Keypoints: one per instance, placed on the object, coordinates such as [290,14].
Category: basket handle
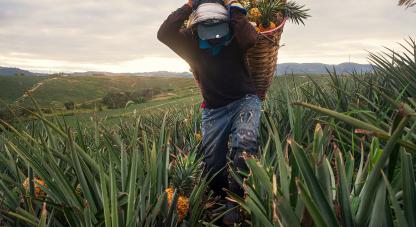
[275,29]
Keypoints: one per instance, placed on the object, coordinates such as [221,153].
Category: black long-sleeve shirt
[222,78]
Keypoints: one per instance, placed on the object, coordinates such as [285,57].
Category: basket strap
[270,39]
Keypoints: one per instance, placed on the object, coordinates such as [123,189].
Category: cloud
[115,35]
[339,30]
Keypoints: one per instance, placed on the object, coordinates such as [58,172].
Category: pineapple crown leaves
[294,11]
[407,3]
[185,172]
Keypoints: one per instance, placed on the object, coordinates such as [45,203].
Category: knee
[245,140]
[213,167]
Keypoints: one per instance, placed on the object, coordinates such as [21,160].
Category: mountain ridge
[320,68]
[12,71]
[282,69]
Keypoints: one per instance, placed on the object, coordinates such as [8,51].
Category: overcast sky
[120,35]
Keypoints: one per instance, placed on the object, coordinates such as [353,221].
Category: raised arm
[244,33]
[177,39]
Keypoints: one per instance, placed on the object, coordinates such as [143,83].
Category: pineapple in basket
[268,14]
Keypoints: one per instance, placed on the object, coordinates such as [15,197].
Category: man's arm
[170,33]
[244,32]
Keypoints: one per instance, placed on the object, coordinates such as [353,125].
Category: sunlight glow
[148,64]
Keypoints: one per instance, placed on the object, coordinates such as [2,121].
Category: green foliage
[329,187]
[11,88]
[407,3]
[115,100]
[335,151]
[186,172]
[122,174]
[69,105]
[56,90]
[270,10]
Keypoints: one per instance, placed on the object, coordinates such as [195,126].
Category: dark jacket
[223,78]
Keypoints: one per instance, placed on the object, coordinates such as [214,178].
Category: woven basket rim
[275,29]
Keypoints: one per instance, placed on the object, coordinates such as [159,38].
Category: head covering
[211,20]
[208,12]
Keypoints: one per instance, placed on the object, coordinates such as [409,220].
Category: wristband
[238,6]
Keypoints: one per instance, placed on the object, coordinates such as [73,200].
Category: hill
[55,91]
[282,69]
[319,68]
[145,74]
[13,87]
[5,71]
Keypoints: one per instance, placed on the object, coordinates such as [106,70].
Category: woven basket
[262,59]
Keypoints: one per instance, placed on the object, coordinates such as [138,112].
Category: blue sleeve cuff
[237,6]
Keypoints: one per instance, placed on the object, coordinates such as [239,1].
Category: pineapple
[38,190]
[198,137]
[182,204]
[248,3]
[78,190]
[269,13]
[271,26]
[254,14]
[185,172]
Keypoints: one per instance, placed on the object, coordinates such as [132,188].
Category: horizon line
[38,71]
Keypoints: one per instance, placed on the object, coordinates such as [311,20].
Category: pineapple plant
[185,172]
[355,168]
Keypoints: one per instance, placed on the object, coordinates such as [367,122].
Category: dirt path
[33,89]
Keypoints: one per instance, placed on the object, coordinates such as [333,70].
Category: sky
[120,35]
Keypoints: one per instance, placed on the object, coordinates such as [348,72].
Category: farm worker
[214,44]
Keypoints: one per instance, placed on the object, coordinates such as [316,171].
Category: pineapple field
[338,151]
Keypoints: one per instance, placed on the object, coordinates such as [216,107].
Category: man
[214,45]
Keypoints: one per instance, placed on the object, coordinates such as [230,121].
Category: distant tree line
[112,100]
[115,100]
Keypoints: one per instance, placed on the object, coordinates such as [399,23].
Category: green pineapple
[185,171]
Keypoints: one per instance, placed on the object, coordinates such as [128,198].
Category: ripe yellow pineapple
[78,190]
[248,3]
[268,13]
[38,190]
[198,137]
[271,26]
[254,14]
[182,205]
